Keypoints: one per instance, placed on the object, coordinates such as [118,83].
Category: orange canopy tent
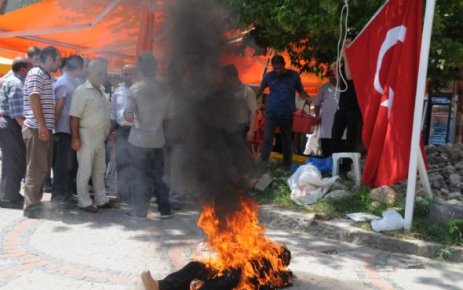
[114,29]
[5,65]
[108,28]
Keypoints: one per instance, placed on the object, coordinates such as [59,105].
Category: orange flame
[240,243]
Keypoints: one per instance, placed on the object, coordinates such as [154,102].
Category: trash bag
[312,145]
[324,164]
[391,221]
[307,185]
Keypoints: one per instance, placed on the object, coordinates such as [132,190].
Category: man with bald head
[121,128]
[90,123]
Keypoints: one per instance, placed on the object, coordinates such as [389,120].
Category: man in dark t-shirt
[281,103]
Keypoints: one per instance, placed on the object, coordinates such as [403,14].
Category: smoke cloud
[208,155]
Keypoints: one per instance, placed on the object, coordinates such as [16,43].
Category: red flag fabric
[384,60]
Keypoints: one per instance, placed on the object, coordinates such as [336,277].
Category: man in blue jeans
[147,109]
[279,107]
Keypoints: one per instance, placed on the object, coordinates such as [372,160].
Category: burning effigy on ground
[238,256]
[241,246]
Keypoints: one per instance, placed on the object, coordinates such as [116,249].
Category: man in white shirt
[121,129]
[90,110]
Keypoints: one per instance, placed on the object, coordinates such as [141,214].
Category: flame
[239,243]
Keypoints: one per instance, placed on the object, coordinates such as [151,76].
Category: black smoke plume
[208,155]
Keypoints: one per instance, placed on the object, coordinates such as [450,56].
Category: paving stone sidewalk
[72,249]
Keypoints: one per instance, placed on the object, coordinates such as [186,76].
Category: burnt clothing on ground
[230,278]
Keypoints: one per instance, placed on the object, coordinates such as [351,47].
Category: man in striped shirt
[39,114]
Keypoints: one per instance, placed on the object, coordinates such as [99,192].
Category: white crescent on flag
[393,36]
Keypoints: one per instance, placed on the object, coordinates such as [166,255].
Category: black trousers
[181,279]
[13,160]
[349,119]
[124,176]
[64,166]
[325,144]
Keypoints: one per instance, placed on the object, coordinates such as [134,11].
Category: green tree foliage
[309,30]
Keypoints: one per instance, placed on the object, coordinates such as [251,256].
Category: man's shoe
[35,213]
[11,204]
[133,216]
[166,215]
[90,208]
[175,206]
[110,204]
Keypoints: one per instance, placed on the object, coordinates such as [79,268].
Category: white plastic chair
[354,156]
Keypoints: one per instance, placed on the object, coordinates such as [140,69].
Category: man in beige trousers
[90,123]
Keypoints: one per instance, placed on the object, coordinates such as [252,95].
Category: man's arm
[59,108]
[15,102]
[60,93]
[75,125]
[114,110]
[300,89]
[129,111]
[317,111]
[252,107]
[38,114]
[304,95]
[252,126]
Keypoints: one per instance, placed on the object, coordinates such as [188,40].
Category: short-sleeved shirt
[38,81]
[248,103]
[149,103]
[118,104]
[281,102]
[93,109]
[327,99]
[64,88]
[12,97]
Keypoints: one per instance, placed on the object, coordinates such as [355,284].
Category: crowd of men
[63,125]
[66,124]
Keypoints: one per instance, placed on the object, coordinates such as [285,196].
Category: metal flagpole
[420,91]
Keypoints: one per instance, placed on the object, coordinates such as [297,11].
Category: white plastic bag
[312,147]
[391,221]
[307,184]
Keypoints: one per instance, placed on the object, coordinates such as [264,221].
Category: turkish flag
[384,60]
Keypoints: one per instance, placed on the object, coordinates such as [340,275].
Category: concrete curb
[342,229]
